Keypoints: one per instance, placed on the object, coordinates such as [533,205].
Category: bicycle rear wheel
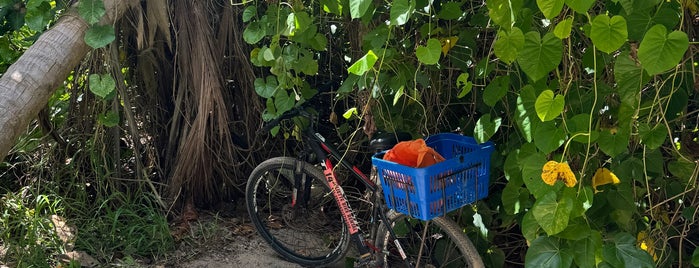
[445,245]
[310,232]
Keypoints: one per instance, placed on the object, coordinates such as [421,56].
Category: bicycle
[305,216]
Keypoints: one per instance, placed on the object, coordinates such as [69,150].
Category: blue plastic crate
[429,192]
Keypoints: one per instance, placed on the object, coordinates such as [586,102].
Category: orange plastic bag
[413,153]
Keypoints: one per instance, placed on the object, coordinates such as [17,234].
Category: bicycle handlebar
[298,110]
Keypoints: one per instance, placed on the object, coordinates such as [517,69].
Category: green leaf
[332,6]
[630,254]
[681,169]
[514,198]
[450,11]
[584,250]
[465,85]
[253,33]
[429,54]
[548,252]
[563,28]
[401,11]
[358,8]
[580,6]
[496,90]
[266,88]
[283,102]
[109,119]
[653,138]
[508,44]
[38,15]
[549,106]
[348,85]
[486,128]
[526,112]
[540,56]
[91,10]
[249,13]
[364,64]
[101,85]
[502,12]
[660,51]
[608,34]
[551,214]
[530,228]
[350,112]
[548,137]
[98,36]
[695,257]
[577,230]
[630,79]
[614,144]
[633,5]
[550,8]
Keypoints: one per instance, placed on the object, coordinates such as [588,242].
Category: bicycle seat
[386,140]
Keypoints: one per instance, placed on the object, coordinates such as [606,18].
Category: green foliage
[129,223]
[26,230]
[97,36]
[590,83]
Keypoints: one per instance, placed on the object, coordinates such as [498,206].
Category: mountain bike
[304,214]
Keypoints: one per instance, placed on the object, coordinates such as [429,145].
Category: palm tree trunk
[29,82]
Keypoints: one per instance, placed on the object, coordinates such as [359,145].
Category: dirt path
[223,241]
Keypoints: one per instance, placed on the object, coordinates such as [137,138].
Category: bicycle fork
[365,249]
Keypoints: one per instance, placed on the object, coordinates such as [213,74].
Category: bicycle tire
[443,236]
[311,236]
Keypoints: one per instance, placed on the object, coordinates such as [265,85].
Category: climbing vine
[593,106]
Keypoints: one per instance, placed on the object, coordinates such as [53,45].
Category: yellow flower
[553,171]
[603,176]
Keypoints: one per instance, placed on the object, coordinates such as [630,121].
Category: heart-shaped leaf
[548,251]
[501,11]
[101,85]
[253,33]
[91,10]
[465,85]
[550,8]
[548,137]
[429,54]
[660,51]
[109,119]
[551,214]
[98,36]
[450,10]
[249,13]
[526,113]
[652,137]
[549,106]
[364,64]
[283,102]
[608,34]
[540,56]
[486,128]
[266,88]
[614,142]
[358,8]
[580,6]
[401,11]
[508,44]
[563,28]
[496,90]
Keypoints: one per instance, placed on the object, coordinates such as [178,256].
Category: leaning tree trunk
[29,82]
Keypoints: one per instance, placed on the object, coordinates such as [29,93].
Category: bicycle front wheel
[445,245]
[310,231]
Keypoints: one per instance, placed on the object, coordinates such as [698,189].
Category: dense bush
[593,106]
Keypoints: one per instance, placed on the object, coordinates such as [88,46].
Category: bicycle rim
[310,235]
[445,245]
